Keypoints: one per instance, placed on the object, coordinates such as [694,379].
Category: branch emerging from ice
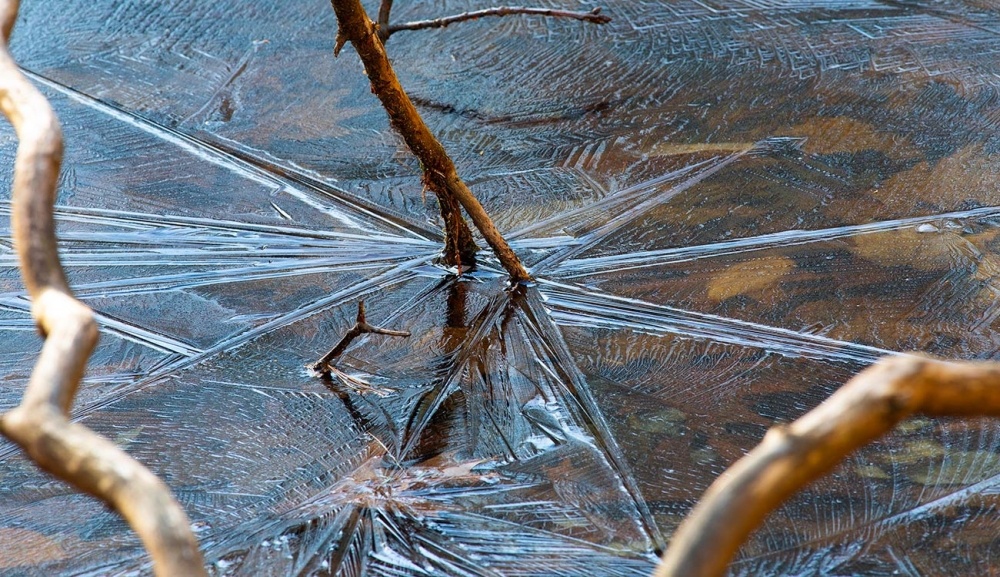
[361,327]
[792,456]
[40,424]
[594,16]
[440,174]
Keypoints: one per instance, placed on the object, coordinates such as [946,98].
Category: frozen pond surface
[731,206]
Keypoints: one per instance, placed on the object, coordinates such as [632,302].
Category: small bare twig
[361,327]
[440,174]
[791,456]
[594,16]
[384,10]
[40,424]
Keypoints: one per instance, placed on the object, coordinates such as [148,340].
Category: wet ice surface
[731,207]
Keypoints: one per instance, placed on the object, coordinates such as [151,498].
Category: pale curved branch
[594,16]
[40,424]
[792,456]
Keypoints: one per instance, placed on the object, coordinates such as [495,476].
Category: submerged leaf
[749,278]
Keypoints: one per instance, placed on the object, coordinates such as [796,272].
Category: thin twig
[384,10]
[594,16]
[440,174]
[40,424]
[361,327]
[792,456]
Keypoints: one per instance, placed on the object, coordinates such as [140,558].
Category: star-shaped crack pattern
[685,261]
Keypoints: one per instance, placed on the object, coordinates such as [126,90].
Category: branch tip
[339,43]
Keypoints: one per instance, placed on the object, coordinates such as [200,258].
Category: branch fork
[439,172]
[325,365]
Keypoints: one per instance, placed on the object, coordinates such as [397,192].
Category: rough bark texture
[791,456]
[40,424]
[440,174]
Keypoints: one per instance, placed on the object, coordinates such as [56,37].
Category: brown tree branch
[594,16]
[440,174]
[791,456]
[360,327]
[40,424]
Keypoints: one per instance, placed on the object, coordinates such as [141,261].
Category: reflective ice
[731,206]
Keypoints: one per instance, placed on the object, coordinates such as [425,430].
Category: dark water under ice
[731,207]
